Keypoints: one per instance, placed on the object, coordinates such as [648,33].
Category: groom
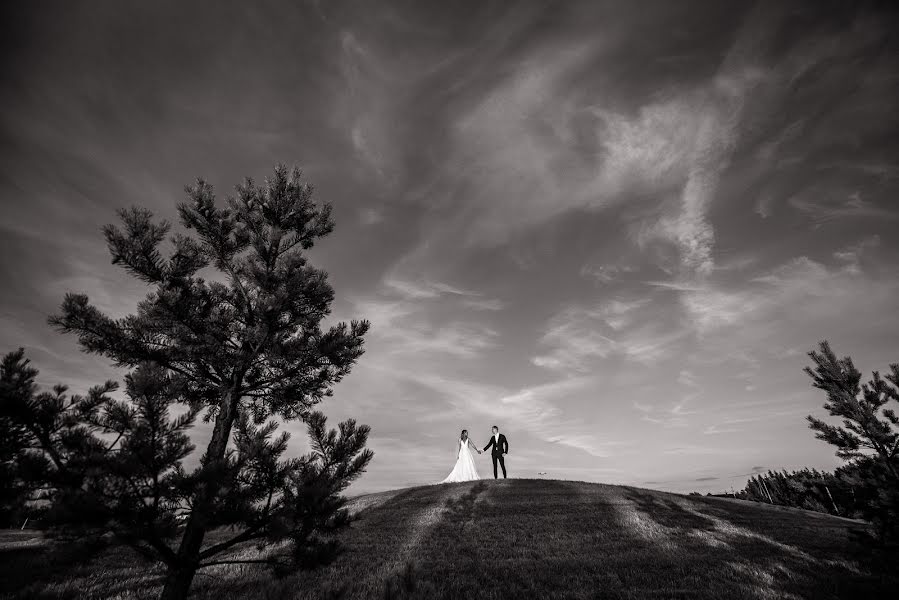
[500,447]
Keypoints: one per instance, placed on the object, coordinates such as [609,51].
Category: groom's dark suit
[500,447]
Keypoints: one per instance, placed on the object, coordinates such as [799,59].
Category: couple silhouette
[465,468]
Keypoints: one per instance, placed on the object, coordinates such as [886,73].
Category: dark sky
[612,228]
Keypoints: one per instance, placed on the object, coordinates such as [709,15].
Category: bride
[464,469]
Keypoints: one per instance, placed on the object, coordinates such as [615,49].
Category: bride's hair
[464,431]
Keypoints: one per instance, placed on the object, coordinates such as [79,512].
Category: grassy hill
[512,539]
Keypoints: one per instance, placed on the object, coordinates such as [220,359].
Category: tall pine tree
[869,434]
[240,348]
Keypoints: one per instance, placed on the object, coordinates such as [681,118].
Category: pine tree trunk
[177,584]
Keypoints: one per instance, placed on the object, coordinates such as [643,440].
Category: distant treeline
[845,492]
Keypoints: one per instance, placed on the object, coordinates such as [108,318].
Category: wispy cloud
[484,303]
[819,289]
[606,273]
[424,289]
[823,206]
[713,132]
[428,290]
[401,328]
[671,416]
[579,336]
[575,340]
[696,450]
[371,216]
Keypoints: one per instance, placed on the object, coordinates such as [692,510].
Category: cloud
[532,174]
[457,339]
[618,314]
[768,150]
[606,273]
[697,450]
[371,216]
[711,121]
[591,445]
[578,336]
[402,323]
[729,425]
[711,308]
[484,304]
[687,378]
[430,290]
[820,290]
[763,204]
[363,109]
[852,255]
[718,109]
[542,142]
[644,408]
[674,416]
[716,429]
[824,206]
[575,342]
[401,328]
[424,289]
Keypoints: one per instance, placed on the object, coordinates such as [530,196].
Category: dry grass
[513,539]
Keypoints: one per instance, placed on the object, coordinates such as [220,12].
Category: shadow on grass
[752,553]
[459,510]
[667,512]
[408,583]
[528,539]
[374,552]
[47,562]
[63,570]
[412,580]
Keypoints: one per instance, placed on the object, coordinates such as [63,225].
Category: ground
[512,539]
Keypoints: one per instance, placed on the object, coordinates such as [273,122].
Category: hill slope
[527,539]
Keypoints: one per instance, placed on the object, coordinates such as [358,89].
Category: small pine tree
[240,349]
[99,462]
[14,440]
[107,465]
[869,435]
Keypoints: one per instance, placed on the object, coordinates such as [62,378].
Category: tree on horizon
[239,354]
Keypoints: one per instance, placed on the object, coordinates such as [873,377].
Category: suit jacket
[499,448]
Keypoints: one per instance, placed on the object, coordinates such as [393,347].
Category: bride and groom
[465,469]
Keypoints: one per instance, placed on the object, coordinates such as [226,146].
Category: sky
[613,229]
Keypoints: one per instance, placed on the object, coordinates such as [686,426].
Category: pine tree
[105,465]
[14,438]
[96,460]
[869,434]
[241,349]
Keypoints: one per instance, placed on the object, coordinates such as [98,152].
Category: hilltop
[518,539]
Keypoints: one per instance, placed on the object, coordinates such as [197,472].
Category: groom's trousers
[502,463]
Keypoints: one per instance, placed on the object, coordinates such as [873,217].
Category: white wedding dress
[465,469]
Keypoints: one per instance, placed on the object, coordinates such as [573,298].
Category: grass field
[510,539]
